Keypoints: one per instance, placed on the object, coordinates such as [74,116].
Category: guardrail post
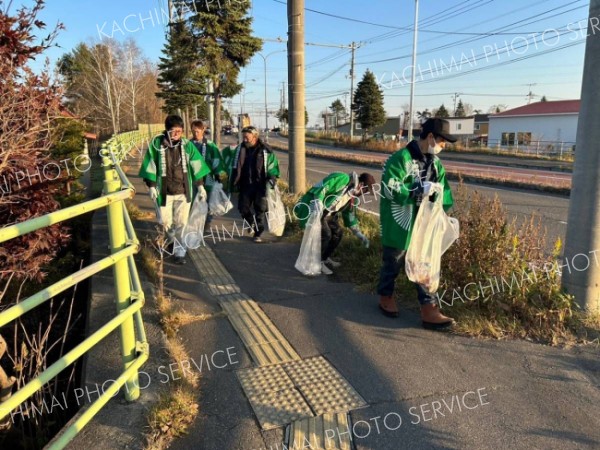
[6,384]
[116,229]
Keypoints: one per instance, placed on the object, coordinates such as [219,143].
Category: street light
[266,111]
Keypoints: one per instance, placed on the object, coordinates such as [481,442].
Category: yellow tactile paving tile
[332,396]
[326,432]
[262,379]
[274,409]
[275,353]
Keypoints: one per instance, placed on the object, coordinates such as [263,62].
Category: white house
[461,126]
[543,124]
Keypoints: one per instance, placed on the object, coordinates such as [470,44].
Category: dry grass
[135,213]
[149,263]
[178,407]
[171,416]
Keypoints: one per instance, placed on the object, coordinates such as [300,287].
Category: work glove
[316,205]
[153,192]
[202,193]
[365,241]
[427,188]
[420,189]
[224,178]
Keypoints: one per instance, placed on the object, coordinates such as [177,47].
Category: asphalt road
[481,167]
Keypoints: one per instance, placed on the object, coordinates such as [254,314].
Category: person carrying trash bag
[406,182]
[256,169]
[211,154]
[337,193]
[228,157]
[172,166]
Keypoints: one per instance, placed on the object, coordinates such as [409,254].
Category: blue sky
[455,38]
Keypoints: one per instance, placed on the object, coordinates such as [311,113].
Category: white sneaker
[324,269]
[333,263]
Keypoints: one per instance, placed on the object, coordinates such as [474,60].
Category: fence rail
[128,290]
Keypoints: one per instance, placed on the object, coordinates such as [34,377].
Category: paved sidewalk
[450,392]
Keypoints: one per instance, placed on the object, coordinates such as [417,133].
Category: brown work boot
[387,305]
[433,319]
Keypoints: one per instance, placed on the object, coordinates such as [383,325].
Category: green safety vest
[398,210]
[151,168]
[329,191]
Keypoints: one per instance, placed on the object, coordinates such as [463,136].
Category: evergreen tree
[460,110]
[424,115]
[544,99]
[181,79]
[339,111]
[224,43]
[368,103]
[283,116]
[442,112]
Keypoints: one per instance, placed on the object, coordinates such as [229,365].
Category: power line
[523,58]
[469,40]
[326,77]
[408,29]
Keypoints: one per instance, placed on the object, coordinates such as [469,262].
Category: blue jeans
[393,262]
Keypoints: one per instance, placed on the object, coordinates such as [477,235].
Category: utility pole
[414,70]
[211,109]
[352,93]
[297,156]
[266,110]
[170,6]
[530,95]
[455,97]
[581,277]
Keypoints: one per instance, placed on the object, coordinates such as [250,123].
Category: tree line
[111,85]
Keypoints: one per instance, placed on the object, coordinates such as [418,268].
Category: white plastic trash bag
[451,233]
[276,212]
[219,203]
[193,233]
[433,233]
[309,259]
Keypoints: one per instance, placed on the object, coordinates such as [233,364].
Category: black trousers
[251,197]
[331,236]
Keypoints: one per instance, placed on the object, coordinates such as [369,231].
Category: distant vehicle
[276,130]
[227,129]
[234,130]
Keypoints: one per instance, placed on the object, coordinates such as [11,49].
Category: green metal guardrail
[128,291]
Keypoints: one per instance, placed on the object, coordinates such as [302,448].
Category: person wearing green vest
[256,169]
[406,182]
[337,193]
[172,166]
[228,155]
[211,154]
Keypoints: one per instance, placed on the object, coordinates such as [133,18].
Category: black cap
[439,128]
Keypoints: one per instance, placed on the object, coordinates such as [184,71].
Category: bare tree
[133,72]
[106,83]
